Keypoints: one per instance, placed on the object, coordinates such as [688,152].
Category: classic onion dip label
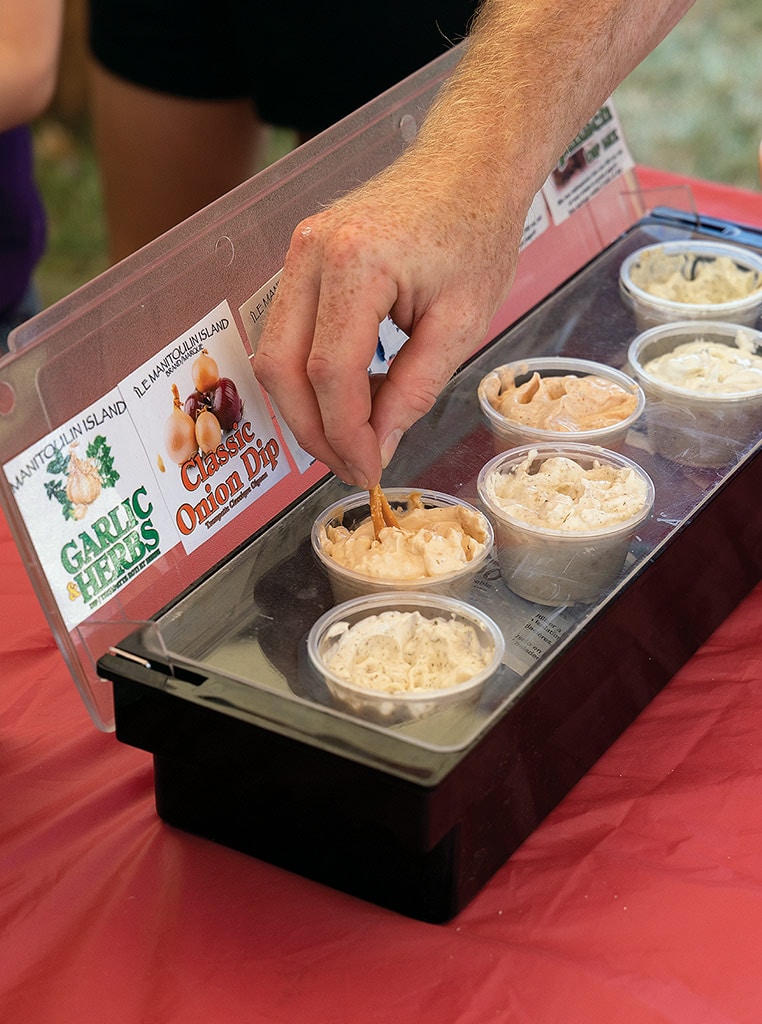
[205,427]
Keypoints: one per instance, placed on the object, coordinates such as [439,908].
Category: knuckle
[305,235]
[265,367]
[321,367]
[422,399]
[420,394]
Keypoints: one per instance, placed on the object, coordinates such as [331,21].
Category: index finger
[352,304]
[280,360]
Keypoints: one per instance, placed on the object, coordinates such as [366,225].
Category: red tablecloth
[638,901]
[712,200]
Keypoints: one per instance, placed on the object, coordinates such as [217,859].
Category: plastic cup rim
[505,425]
[450,605]
[588,451]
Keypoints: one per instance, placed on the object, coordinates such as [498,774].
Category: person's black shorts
[303,65]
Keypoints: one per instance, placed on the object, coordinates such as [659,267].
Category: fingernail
[389,447]
[358,477]
[345,476]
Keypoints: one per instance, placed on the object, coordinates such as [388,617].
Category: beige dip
[562,495]
[429,542]
[566,403]
[698,280]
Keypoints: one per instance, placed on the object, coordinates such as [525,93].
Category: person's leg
[162,158]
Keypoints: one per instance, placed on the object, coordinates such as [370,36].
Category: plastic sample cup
[393,643]
[683,265]
[553,564]
[510,433]
[353,512]
[687,422]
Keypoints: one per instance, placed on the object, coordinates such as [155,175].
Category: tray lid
[111,519]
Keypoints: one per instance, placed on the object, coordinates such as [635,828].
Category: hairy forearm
[533,73]
[433,240]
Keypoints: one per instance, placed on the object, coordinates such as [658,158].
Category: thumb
[413,382]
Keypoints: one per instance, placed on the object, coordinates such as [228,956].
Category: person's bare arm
[434,239]
[30,38]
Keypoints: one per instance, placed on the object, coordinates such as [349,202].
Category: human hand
[433,240]
[416,246]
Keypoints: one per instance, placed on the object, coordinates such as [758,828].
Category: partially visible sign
[596,157]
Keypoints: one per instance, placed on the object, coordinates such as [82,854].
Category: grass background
[694,106]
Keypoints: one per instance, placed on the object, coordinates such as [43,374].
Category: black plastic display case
[247,748]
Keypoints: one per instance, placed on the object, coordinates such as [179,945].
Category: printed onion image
[211,409]
[180,432]
[225,403]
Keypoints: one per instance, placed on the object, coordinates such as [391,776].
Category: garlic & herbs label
[92,508]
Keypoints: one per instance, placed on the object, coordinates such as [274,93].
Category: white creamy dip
[561,494]
[403,652]
[710,367]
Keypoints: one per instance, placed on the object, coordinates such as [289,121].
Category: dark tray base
[426,851]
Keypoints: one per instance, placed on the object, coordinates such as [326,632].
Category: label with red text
[205,425]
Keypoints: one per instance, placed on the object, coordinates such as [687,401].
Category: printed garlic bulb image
[83,484]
